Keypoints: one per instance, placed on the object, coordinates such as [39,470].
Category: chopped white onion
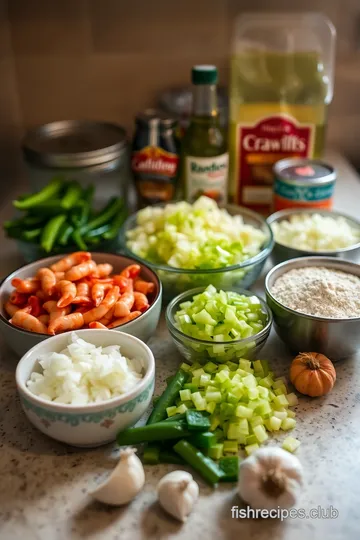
[315,232]
[83,373]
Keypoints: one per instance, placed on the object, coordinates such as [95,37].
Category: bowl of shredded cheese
[315,302]
[83,387]
[302,232]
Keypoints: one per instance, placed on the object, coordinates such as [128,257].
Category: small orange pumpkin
[312,374]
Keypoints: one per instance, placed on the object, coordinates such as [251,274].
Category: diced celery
[249,381]
[230,447]
[251,448]
[233,431]
[198,372]
[210,367]
[268,424]
[266,381]
[185,367]
[256,421]
[231,398]
[214,422]
[205,379]
[243,412]
[243,426]
[264,408]
[196,396]
[200,405]
[288,423]
[181,409]
[244,364]
[291,413]
[275,423]
[171,411]
[222,376]
[191,387]
[260,433]
[213,396]
[194,366]
[216,451]
[185,395]
[251,439]
[253,393]
[292,399]
[195,381]
[281,401]
[281,390]
[210,407]
[291,444]
[280,415]
[263,392]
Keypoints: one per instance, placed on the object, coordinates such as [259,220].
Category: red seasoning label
[260,145]
[154,161]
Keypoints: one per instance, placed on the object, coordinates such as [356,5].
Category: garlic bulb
[124,483]
[177,493]
[269,478]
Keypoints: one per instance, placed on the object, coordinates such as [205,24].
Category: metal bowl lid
[74,143]
[154,117]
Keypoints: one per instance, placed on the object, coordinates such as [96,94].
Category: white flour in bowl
[319,291]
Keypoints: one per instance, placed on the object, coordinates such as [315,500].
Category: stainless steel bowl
[282,253]
[336,338]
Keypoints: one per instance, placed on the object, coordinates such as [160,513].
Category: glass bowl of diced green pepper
[219,325]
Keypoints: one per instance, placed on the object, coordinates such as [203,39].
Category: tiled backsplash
[108,59]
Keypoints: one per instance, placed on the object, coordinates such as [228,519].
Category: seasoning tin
[155,157]
[303,183]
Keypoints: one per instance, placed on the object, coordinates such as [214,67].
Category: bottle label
[259,145]
[155,172]
[207,176]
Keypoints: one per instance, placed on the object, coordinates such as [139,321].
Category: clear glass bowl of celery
[218,324]
[233,263]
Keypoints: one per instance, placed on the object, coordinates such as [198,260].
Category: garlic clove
[177,494]
[124,483]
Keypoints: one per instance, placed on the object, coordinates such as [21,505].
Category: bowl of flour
[315,302]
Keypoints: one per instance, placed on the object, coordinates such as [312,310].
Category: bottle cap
[205,74]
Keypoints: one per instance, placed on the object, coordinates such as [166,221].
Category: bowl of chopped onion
[195,245]
[301,232]
[207,324]
[83,388]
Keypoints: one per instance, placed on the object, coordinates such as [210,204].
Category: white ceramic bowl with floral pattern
[96,423]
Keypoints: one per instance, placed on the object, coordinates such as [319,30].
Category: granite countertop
[44,485]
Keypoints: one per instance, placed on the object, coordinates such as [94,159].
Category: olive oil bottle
[204,148]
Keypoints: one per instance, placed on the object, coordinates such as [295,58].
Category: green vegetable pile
[200,236]
[61,216]
[220,317]
[207,414]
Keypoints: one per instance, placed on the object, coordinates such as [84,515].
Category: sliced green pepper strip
[104,216]
[47,193]
[47,208]
[203,440]
[51,231]
[197,421]
[116,224]
[230,468]
[29,221]
[168,456]
[204,465]
[31,234]
[72,195]
[176,417]
[78,239]
[168,397]
[13,224]
[65,233]
[98,232]
[156,432]
[151,455]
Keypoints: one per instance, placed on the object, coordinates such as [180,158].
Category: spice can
[303,183]
[155,157]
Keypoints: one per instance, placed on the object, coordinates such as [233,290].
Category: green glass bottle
[204,149]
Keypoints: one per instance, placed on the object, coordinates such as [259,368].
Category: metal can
[155,157]
[303,183]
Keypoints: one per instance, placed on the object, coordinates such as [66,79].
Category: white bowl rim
[53,258]
[91,407]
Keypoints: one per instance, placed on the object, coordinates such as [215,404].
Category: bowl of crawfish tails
[80,290]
